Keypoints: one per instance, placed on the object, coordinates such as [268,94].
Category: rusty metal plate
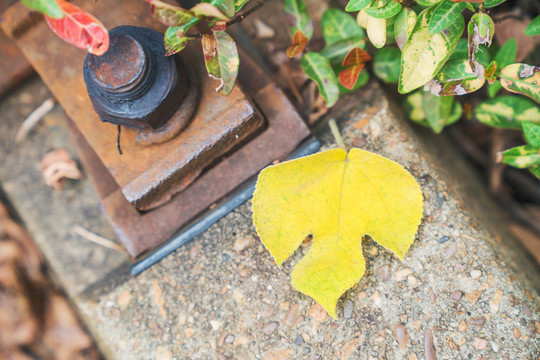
[148,176]
[143,231]
[14,66]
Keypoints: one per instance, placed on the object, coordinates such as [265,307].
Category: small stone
[451,344]
[221,340]
[401,335]
[456,295]
[401,274]
[359,142]
[449,251]
[444,239]
[495,301]
[124,298]
[347,309]
[526,309]
[475,274]
[429,349]
[416,325]
[412,357]
[229,339]
[384,272]
[477,321]
[292,316]
[194,251]
[517,333]
[241,244]
[473,296]
[189,332]
[299,340]
[225,257]
[317,312]
[278,354]
[432,295]
[349,348]
[461,267]
[462,326]
[270,328]
[480,344]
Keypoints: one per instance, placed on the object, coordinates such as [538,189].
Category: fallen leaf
[338,198]
[80,28]
[56,166]
[299,42]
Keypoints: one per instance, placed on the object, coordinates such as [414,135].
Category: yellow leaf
[376,31]
[338,198]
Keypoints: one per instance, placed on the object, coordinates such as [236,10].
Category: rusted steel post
[133,84]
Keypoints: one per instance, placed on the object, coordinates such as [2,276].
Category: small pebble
[229,339]
[194,251]
[517,333]
[456,295]
[461,267]
[225,257]
[359,142]
[306,350]
[317,312]
[480,344]
[242,244]
[462,326]
[347,309]
[475,274]
[449,251]
[401,335]
[429,349]
[299,340]
[292,315]
[270,328]
[384,272]
[432,296]
[526,309]
[477,321]
[444,239]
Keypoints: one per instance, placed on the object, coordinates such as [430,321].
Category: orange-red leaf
[348,77]
[81,29]
[299,42]
[356,56]
[353,63]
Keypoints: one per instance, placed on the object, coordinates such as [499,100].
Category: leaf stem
[241,17]
[337,135]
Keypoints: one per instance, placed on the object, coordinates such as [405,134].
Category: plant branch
[241,17]
[337,135]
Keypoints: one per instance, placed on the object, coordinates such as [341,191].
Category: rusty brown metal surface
[144,231]
[14,66]
[147,178]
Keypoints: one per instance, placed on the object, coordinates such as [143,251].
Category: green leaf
[480,32]
[221,59]
[357,5]
[444,15]
[175,39]
[413,107]
[386,64]
[337,197]
[298,17]
[376,31]
[47,7]
[426,3]
[535,170]
[318,69]
[522,156]
[338,25]
[455,78]
[239,4]
[504,57]
[507,112]
[386,10]
[437,110]
[404,25]
[425,54]
[522,79]
[491,3]
[170,15]
[227,7]
[531,132]
[338,50]
[534,27]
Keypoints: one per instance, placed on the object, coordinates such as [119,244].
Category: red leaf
[299,42]
[348,76]
[356,56]
[81,29]
[219,25]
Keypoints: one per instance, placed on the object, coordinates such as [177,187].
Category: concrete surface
[222,297]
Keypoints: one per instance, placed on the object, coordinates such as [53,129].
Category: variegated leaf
[505,56]
[376,31]
[386,64]
[337,51]
[480,32]
[357,5]
[507,111]
[384,9]
[298,18]
[444,15]
[404,25]
[455,78]
[425,54]
[531,132]
[522,79]
[318,68]
[338,25]
[522,156]
[221,59]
